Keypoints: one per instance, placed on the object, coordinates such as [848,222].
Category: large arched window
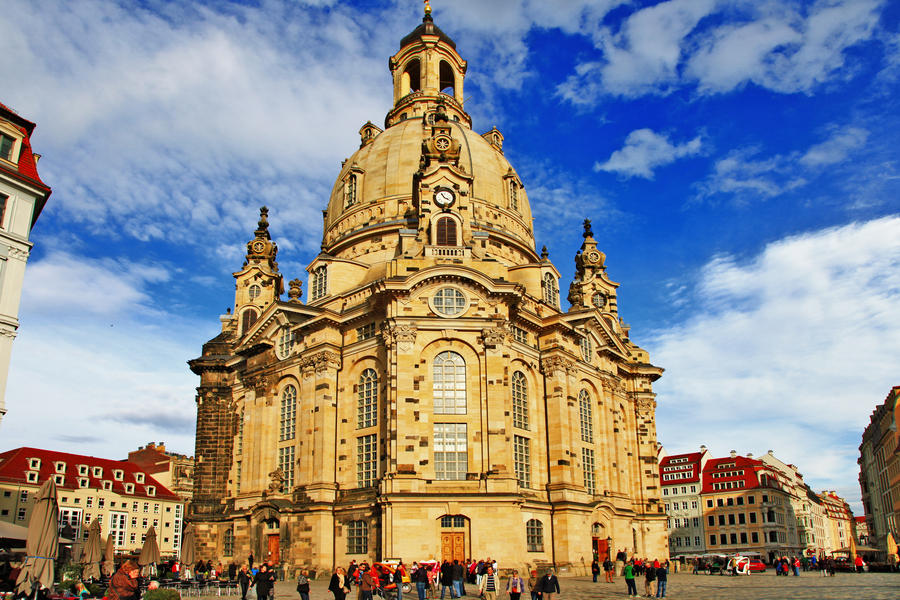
[520,400]
[449,387]
[448,79]
[551,290]
[446,232]
[288,413]
[320,282]
[248,318]
[534,535]
[367,408]
[586,414]
[410,81]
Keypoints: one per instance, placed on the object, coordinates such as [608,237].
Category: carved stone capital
[320,362]
[19,254]
[403,335]
[259,382]
[495,336]
[553,364]
[644,405]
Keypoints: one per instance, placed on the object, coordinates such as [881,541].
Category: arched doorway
[600,542]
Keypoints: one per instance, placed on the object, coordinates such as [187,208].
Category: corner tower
[431,382]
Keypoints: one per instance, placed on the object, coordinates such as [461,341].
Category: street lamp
[608,548]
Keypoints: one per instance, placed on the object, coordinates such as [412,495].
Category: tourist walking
[595,569]
[533,583]
[489,585]
[263,582]
[608,570]
[303,585]
[662,577]
[338,584]
[649,578]
[514,586]
[366,583]
[628,571]
[548,585]
[244,578]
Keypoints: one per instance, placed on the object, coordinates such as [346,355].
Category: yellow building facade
[430,398]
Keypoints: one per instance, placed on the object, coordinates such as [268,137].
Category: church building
[430,397]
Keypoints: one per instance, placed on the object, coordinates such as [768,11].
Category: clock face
[444,198]
[259,246]
[593,256]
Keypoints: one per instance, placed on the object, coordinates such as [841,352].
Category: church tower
[430,381]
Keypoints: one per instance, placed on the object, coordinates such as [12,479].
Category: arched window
[586,415]
[449,387]
[288,413]
[350,191]
[254,291]
[357,537]
[320,282]
[446,231]
[534,535]
[410,81]
[248,318]
[520,400]
[513,195]
[448,79]
[551,290]
[367,415]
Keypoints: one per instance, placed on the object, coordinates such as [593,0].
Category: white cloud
[787,351]
[644,151]
[744,174]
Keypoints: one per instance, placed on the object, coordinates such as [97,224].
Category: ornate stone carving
[401,334]
[296,290]
[644,404]
[495,336]
[18,254]
[276,483]
[320,362]
[258,382]
[552,364]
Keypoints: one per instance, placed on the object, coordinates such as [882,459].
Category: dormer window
[83,482]
[139,477]
[31,476]
[151,490]
[129,488]
[7,145]
[350,190]
[117,474]
[59,479]
[82,470]
[107,485]
[60,466]
[34,463]
[97,472]
[513,195]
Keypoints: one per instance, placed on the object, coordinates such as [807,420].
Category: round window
[449,302]
[255,291]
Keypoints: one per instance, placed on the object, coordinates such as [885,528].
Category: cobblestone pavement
[759,586]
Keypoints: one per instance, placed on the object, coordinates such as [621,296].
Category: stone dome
[384,188]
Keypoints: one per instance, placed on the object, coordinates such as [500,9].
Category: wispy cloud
[772,356]
[644,151]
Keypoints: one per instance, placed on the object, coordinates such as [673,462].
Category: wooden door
[273,553]
[601,549]
[453,546]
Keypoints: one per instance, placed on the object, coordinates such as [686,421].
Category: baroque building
[431,392]
[22,198]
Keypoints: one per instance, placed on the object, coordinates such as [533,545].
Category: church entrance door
[453,546]
[272,549]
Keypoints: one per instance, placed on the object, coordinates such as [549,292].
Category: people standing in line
[303,585]
[649,578]
[515,586]
[628,571]
[549,585]
[533,583]
[595,569]
[338,584]
[662,576]
[243,578]
[490,584]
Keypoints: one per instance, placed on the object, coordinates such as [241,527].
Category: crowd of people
[655,573]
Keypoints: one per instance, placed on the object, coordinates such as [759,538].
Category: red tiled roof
[692,464]
[749,477]
[15,463]
[27,165]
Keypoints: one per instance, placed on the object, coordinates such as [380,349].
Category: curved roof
[427,27]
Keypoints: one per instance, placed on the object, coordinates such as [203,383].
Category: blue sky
[738,160]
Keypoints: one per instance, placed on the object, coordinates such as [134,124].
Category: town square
[405,299]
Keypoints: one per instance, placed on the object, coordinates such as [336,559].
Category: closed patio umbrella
[187,550]
[149,552]
[92,553]
[109,557]
[43,540]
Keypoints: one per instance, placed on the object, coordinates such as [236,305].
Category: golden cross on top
[427,7]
